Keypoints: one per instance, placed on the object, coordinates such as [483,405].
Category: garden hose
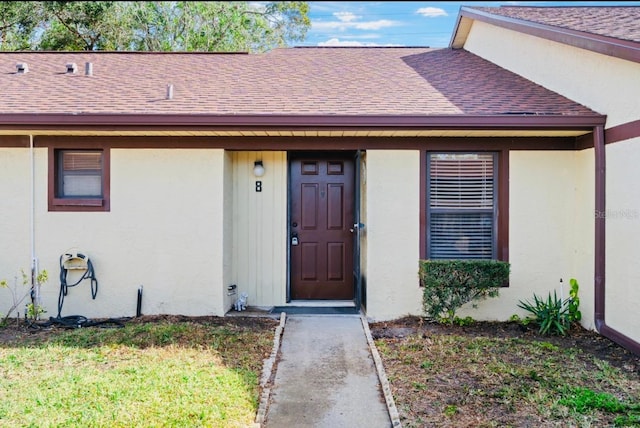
[78,321]
[64,286]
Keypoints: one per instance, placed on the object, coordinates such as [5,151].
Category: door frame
[355,156]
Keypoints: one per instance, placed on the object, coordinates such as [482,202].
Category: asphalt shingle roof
[295,81]
[619,22]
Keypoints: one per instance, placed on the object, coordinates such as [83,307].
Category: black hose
[64,286]
[139,303]
[78,321]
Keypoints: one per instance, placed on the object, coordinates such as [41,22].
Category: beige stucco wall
[584,233]
[551,222]
[605,84]
[15,251]
[548,214]
[609,86]
[227,254]
[622,237]
[186,240]
[392,212]
[260,228]
[363,231]
[165,231]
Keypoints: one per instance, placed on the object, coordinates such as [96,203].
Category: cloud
[375,25]
[337,42]
[344,25]
[431,12]
[346,16]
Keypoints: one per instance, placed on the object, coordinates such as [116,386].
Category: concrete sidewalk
[326,376]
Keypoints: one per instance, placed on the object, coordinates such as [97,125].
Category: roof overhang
[297,125]
[623,49]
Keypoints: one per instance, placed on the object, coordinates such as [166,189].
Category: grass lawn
[204,372]
[166,373]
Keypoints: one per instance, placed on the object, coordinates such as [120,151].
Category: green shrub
[574,301]
[18,296]
[554,315]
[463,321]
[449,284]
[551,314]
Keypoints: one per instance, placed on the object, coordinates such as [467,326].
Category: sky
[395,23]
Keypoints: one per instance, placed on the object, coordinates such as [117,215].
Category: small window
[79,174]
[78,180]
[462,206]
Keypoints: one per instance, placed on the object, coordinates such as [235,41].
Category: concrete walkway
[326,376]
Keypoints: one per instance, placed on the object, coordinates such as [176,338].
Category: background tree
[217,26]
[82,25]
[152,26]
[17,23]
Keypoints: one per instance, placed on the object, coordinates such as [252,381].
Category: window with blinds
[461,201]
[79,174]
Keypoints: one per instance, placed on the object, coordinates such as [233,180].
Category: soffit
[307,133]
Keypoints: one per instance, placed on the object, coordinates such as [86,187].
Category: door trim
[357,218]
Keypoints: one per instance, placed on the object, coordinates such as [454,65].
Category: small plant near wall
[574,302]
[554,315]
[449,284]
[17,297]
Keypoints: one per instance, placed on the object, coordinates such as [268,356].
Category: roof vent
[72,68]
[88,69]
[169,92]
[22,67]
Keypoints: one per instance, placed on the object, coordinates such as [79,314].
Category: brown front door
[321,238]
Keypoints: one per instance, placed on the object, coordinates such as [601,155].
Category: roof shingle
[294,81]
[619,22]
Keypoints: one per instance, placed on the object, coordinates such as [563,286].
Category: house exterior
[322,175]
[591,55]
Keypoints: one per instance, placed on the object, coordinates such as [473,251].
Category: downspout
[35,287]
[600,225]
[600,247]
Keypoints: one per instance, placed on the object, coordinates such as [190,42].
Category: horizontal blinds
[461,181]
[461,205]
[462,236]
[82,174]
[82,161]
